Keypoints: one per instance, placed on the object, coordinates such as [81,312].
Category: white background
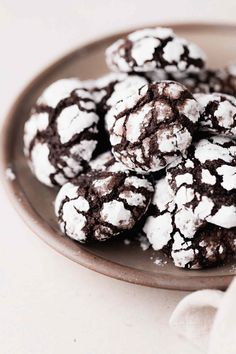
[49,305]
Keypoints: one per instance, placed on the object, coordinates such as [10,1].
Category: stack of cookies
[149,146]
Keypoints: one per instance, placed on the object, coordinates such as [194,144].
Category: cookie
[153,49]
[151,128]
[210,246]
[218,113]
[204,181]
[61,133]
[190,242]
[102,204]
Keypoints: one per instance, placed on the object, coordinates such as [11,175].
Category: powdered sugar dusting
[57,91]
[153,49]
[133,137]
[10,174]
[116,214]
[218,113]
[144,243]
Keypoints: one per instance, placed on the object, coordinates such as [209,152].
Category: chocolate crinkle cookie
[151,128]
[61,133]
[102,204]
[191,243]
[210,246]
[218,113]
[204,182]
[153,49]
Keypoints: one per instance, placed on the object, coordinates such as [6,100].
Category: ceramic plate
[34,201]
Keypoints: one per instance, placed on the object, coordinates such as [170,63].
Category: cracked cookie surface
[190,242]
[153,49]
[107,91]
[218,113]
[61,133]
[102,204]
[107,162]
[113,87]
[204,181]
[151,128]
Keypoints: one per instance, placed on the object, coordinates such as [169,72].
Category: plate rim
[64,246]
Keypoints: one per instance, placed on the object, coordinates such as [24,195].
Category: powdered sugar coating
[212,195]
[153,49]
[58,90]
[210,246]
[159,224]
[61,133]
[107,162]
[151,128]
[40,163]
[120,216]
[218,113]
[113,87]
[189,240]
[107,91]
[103,87]
[9,173]
[102,204]
[125,88]
[225,216]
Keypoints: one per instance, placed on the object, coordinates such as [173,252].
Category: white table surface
[48,304]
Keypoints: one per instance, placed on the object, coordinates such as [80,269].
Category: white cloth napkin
[207,318]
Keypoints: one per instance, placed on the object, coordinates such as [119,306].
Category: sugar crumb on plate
[10,175]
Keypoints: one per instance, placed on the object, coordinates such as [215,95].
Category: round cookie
[210,246]
[152,49]
[218,113]
[190,242]
[204,181]
[151,128]
[102,204]
[61,133]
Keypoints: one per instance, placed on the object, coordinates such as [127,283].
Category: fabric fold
[207,318]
